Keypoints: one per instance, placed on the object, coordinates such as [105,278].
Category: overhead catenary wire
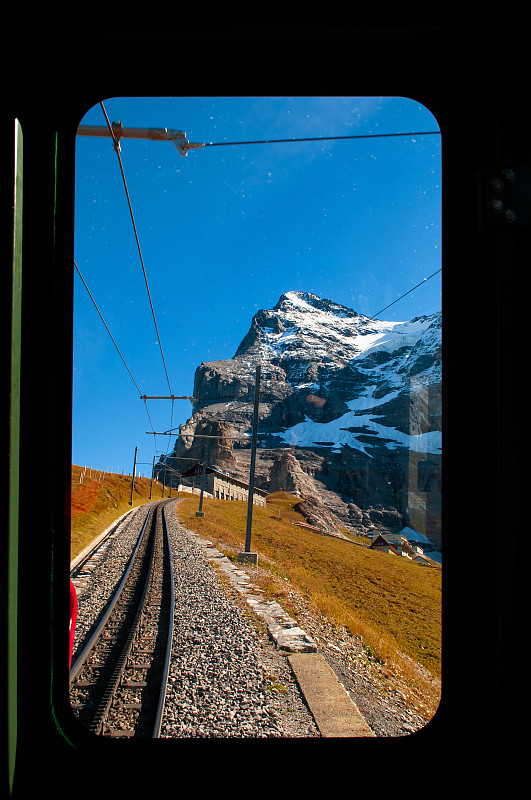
[184,146]
[106,327]
[114,342]
[320,138]
[220,144]
[117,150]
[405,293]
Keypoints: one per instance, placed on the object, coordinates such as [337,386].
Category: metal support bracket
[182,144]
[160,134]
[504,197]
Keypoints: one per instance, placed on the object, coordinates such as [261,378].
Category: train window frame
[479,128]
[143,133]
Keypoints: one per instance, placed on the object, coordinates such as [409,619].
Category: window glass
[303,235]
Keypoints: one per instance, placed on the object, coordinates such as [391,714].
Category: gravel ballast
[224,679]
[227,677]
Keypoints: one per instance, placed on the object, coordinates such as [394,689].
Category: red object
[73,616]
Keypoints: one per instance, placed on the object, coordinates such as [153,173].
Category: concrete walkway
[335,714]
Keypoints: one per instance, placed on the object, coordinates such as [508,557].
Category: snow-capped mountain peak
[303,328]
[357,400]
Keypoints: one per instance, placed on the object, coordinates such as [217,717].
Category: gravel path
[227,677]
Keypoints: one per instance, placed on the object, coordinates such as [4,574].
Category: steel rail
[167,658]
[89,646]
[149,535]
[98,718]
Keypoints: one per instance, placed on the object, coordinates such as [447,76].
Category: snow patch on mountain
[349,397]
[337,433]
[392,336]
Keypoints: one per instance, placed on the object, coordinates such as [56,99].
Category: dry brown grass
[389,601]
[99,500]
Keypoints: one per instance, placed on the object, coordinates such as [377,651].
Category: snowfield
[322,331]
[335,434]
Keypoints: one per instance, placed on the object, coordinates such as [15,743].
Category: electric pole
[133,478]
[151,484]
[247,555]
[201,513]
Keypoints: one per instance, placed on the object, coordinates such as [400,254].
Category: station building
[222,486]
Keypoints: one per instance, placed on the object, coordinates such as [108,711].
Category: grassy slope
[391,602]
[99,500]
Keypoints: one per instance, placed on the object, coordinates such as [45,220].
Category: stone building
[222,486]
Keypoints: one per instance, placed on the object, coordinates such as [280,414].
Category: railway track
[118,680]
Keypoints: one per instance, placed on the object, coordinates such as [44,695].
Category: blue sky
[225,231]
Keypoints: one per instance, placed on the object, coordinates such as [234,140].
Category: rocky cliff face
[349,415]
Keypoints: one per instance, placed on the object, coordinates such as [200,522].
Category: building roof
[381,541]
[197,470]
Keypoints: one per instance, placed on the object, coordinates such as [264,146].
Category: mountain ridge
[354,402]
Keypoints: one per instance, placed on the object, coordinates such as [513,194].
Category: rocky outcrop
[287,475]
[349,414]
